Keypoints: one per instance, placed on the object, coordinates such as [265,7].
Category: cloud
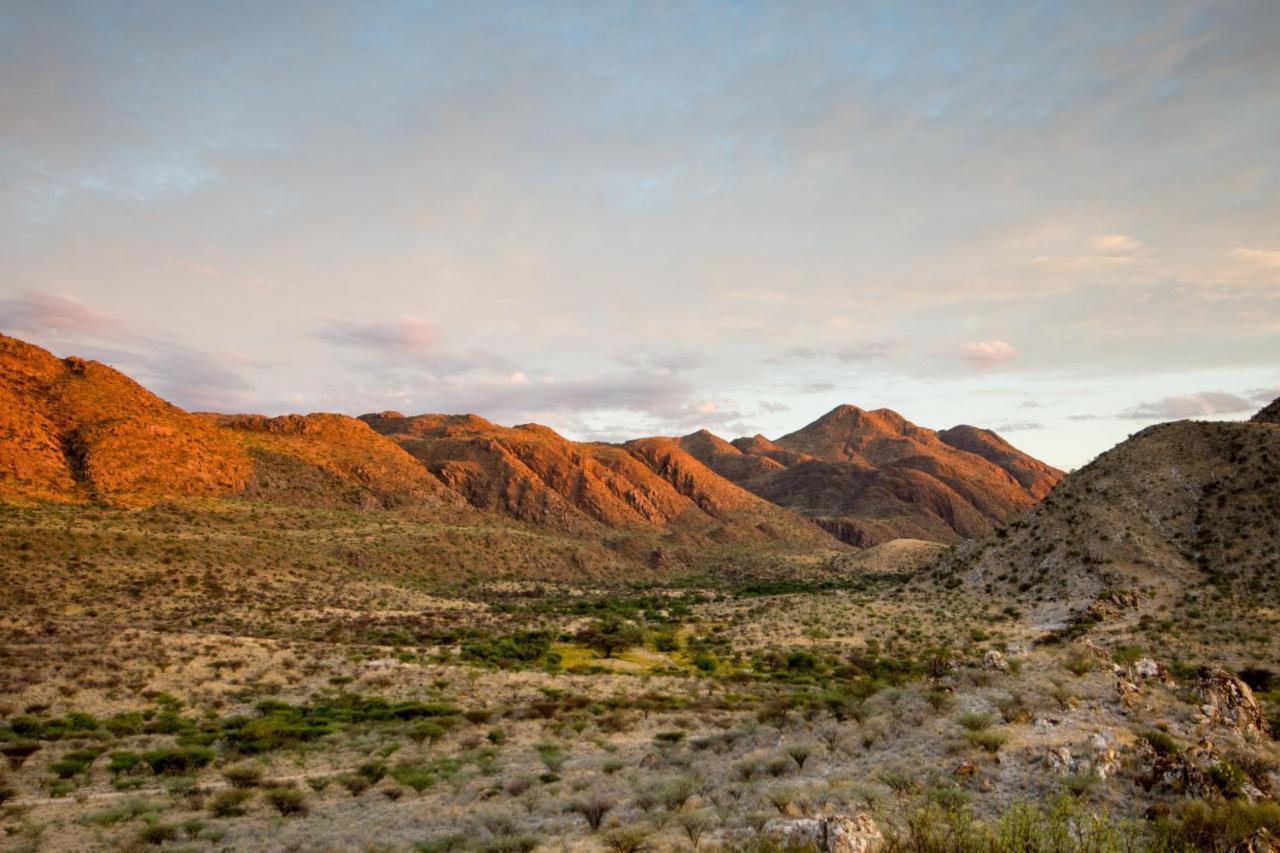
[773,408]
[35,313]
[1204,404]
[676,361]
[1116,244]
[188,376]
[1264,395]
[1017,426]
[407,336]
[1263,257]
[847,354]
[986,354]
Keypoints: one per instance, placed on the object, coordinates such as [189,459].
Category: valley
[435,633]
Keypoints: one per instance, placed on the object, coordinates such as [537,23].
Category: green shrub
[290,802]
[1161,742]
[229,803]
[243,775]
[179,760]
[975,722]
[158,833]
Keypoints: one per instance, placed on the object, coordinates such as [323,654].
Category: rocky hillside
[73,430]
[331,460]
[534,474]
[1178,506]
[871,477]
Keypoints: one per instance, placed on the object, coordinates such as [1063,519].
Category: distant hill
[871,477]
[532,473]
[1175,507]
[79,431]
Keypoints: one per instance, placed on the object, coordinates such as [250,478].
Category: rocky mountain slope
[870,477]
[79,431]
[75,430]
[1177,507]
[534,474]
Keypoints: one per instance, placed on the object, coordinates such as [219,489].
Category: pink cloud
[989,353]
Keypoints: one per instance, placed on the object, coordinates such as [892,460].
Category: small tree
[593,809]
[609,636]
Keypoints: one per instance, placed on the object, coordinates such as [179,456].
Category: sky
[1059,221]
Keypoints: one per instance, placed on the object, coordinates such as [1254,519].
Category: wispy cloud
[1203,404]
[1261,257]
[29,312]
[405,336]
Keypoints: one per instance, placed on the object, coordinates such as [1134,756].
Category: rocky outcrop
[834,834]
[1228,701]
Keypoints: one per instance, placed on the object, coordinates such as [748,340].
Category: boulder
[994,660]
[1229,701]
[1060,760]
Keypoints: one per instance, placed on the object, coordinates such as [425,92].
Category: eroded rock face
[834,834]
[1229,701]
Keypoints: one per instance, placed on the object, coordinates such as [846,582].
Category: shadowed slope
[1175,506]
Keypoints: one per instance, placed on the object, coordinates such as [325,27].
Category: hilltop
[873,476]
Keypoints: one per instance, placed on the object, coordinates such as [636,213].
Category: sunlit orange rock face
[76,430]
[534,474]
[869,477]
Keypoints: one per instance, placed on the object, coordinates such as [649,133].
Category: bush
[628,839]
[172,762]
[158,833]
[1161,742]
[229,803]
[413,776]
[593,809]
[289,802]
[123,762]
[243,775]
[976,722]
[988,739]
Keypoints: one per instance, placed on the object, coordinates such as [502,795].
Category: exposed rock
[1262,841]
[1230,701]
[1060,760]
[834,834]
[994,660]
[965,768]
[1127,691]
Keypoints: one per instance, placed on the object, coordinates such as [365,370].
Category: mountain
[73,430]
[873,476]
[1176,507]
[534,474]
